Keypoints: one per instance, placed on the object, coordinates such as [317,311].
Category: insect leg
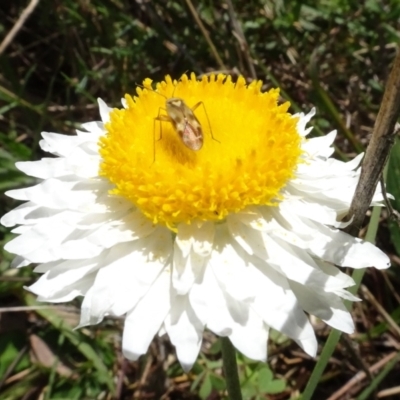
[200,103]
[161,118]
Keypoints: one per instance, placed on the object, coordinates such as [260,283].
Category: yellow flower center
[251,148]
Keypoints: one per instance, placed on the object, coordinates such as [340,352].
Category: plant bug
[183,120]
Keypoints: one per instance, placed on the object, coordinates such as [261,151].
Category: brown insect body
[185,122]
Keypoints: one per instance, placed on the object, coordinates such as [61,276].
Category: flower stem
[230,369]
[334,336]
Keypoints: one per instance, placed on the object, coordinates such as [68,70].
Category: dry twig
[18,25]
[378,150]
[357,379]
[239,35]
[205,34]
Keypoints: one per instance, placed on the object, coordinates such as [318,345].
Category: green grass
[334,55]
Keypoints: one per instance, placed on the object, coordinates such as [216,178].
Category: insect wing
[185,123]
[192,135]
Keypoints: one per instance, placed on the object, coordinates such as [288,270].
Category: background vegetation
[333,54]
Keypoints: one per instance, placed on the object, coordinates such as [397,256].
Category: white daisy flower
[238,237]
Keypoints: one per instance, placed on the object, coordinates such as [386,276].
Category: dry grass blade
[360,376]
[205,34]
[385,315]
[18,25]
[238,33]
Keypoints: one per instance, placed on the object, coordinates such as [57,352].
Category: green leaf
[77,339]
[393,187]
[264,379]
[206,387]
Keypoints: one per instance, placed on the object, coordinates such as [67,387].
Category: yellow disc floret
[251,149]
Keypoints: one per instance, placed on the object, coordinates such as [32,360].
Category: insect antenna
[151,90]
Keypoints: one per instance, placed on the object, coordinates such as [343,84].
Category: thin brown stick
[18,25]
[384,314]
[205,34]
[238,33]
[35,308]
[378,150]
[355,356]
[360,376]
[388,392]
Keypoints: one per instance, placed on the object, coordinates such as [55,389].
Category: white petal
[253,218]
[279,309]
[39,244]
[320,146]
[251,338]
[44,168]
[342,249]
[95,130]
[303,120]
[63,275]
[326,306]
[63,194]
[89,243]
[128,272]
[143,322]
[289,260]
[230,267]
[60,145]
[184,238]
[19,262]
[68,293]
[26,214]
[302,208]
[198,236]
[203,238]
[210,304]
[186,269]
[329,269]
[185,331]
[104,111]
